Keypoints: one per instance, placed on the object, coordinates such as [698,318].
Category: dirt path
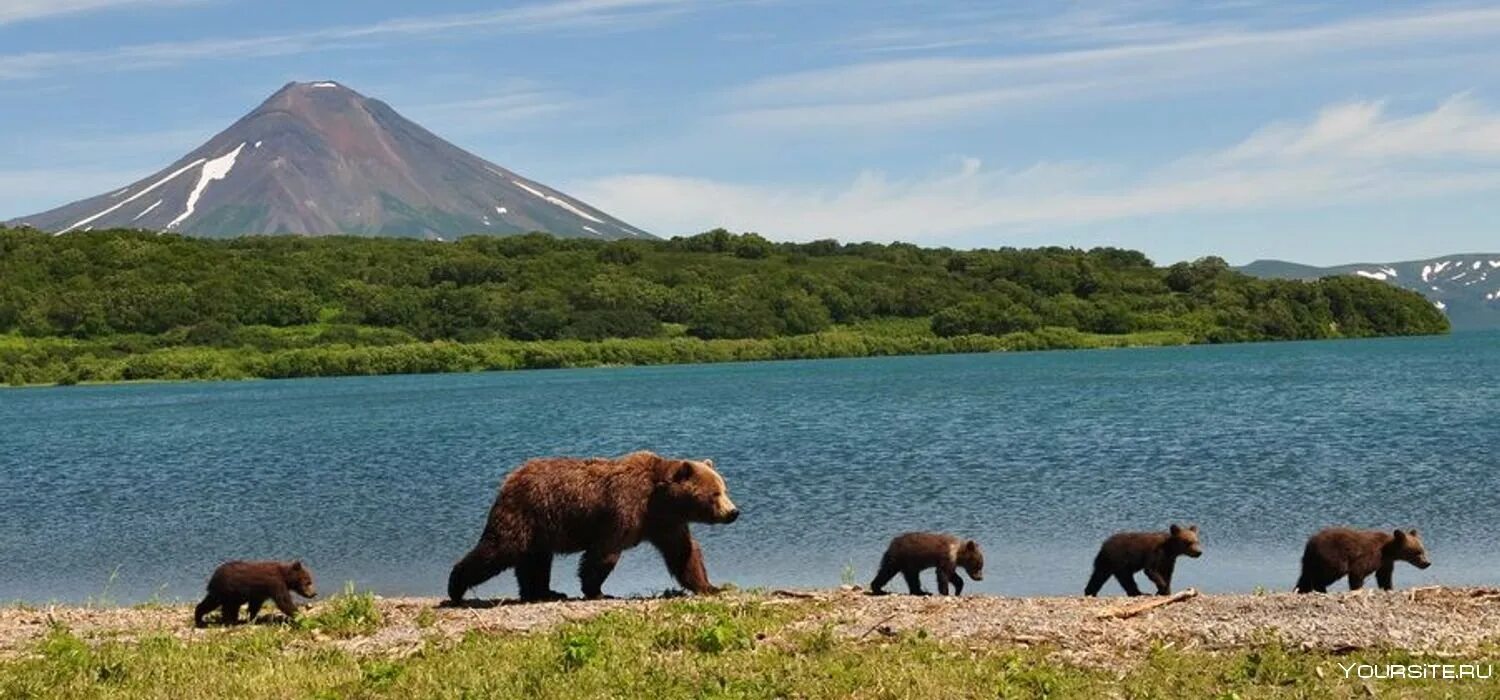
[1440,621]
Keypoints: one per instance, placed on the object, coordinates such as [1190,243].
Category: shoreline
[822,643]
[210,364]
[1432,620]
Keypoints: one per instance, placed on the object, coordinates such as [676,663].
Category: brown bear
[914,552]
[1125,553]
[1336,552]
[600,507]
[238,583]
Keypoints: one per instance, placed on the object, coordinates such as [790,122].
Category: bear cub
[1337,552]
[914,552]
[1125,553]
[239,583]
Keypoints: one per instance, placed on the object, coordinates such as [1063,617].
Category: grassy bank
[325,351]
[745,646]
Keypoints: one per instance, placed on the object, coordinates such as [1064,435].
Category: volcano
[321,159]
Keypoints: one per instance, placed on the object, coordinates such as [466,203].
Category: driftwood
[1138,608]
[876,626]
[788,593]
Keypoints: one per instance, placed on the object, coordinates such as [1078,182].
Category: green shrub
[349,614]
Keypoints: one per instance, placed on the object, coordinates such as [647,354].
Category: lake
[132,492]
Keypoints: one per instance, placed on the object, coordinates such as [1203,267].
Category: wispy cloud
[567,15]
[1348,153]
[510,105]
[14,11]
[903,92]
[1054,24]
[912,109]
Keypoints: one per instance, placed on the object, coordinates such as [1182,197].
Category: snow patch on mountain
[147,210]
[559,201]
[216,169]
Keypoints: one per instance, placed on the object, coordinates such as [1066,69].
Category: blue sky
[1321,133]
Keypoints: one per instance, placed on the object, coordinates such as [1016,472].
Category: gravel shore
[1434,621]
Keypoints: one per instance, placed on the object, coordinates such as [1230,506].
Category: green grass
[308,352]
[349,614]
[684,649]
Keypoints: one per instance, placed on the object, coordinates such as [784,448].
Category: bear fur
[600,507]
[1125,553]
[239,583]
[914,552]
[1337,552]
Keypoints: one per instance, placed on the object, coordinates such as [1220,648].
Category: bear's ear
[683,471]
[1193,527]
[1411,533]
[1175,530]
[1399,535]
[971,546]
[297,565]
[709,462]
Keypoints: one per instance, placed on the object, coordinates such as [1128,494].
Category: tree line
[130,292]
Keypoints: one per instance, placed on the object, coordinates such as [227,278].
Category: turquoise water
[131,492]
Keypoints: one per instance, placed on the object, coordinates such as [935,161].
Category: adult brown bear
[600,507]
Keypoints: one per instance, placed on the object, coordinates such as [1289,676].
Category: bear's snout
[725,511]
[1423,563]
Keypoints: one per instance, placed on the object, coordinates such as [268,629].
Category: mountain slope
[1466,286]
[318,159]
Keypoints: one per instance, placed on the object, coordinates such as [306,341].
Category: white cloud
[1459,128]
[571,15]
[899,92]
[13,11]
[1347,153]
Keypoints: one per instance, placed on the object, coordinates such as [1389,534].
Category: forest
[133,305]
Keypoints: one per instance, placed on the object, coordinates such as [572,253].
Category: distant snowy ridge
[1465,287]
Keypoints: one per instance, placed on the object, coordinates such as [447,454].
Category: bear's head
[1408,547]
[694,490]
[1184,540]
[299,578]
[971,559]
